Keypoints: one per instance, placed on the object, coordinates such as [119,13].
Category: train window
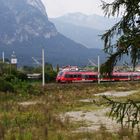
[83,76]
[71,76]
[86,76]
[125,76]
[60,73]
[79,76]
[122,76]
[67,76]
[115,76]
[135,76]
[92,76]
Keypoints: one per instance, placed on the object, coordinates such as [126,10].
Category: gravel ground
[94,120]
[116,93]
[97,118]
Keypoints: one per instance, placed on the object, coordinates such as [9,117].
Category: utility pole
[3,57]
[98,69]
[43,69]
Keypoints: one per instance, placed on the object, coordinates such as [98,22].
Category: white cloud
[56,8]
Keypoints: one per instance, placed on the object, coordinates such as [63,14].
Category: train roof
[80,72]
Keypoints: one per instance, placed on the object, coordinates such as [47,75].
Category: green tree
[126,113]
[126,30]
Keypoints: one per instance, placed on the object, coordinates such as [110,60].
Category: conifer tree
[126,30]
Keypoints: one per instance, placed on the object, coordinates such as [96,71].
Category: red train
[88,76]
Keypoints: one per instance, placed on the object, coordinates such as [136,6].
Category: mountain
[22,20]
[91,21]
[85,29]
[26,29]
[87,36]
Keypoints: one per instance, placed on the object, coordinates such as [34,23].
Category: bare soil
[96,119]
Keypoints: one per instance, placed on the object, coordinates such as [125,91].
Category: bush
[6,86]
[16,75]
[21,76]
[9,78]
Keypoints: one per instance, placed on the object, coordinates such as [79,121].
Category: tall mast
[3,57]
[43,69]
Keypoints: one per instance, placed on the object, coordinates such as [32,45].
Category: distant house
[34,76]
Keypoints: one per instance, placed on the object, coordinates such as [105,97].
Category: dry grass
[42,121]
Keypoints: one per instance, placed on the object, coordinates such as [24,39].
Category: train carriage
[76,76]
[88,76]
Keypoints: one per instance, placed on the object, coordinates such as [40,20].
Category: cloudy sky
[57,8]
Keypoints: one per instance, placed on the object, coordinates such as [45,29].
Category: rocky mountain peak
[25,29]
[22,20]
[37,4]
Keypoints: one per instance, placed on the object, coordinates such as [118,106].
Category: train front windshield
[60,73]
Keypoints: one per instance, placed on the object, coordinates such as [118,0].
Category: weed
[42,121]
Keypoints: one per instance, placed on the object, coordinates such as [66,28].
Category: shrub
[6,86]
[9,78]
[21,76]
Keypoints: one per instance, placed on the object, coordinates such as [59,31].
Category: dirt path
[94,120]
[116,93]
[29,103]
[97,118]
